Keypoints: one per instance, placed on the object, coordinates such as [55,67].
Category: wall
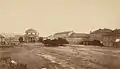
[61,35]
[109,40]
[76,40]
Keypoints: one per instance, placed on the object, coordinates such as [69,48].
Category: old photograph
[59,34]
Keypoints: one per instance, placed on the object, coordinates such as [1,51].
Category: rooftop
[31,31]
[105,30]
[117,31]
[65,32]
[79,35]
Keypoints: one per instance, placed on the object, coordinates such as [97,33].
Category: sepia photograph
[59,34]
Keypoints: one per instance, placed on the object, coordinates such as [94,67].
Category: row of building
[106,36]
[30,35]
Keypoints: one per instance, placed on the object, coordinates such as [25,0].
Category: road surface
[37,56]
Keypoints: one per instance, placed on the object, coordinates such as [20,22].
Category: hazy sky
[50,16]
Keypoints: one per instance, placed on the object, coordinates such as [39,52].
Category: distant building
[110,38]
[71,36]
[8,37]
[107,36]
[76,38]
[97,34]
[31,35]
[65,34]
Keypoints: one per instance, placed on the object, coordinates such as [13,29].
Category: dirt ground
[37,56]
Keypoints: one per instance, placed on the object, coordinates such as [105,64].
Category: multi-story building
[97,34]
[71,36]
[76,38]
[9,38]
[65,34]
[106,36]
[31,35]
[110,38]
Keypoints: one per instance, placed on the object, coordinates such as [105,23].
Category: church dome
[30,31]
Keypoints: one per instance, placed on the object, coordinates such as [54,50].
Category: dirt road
[69,57]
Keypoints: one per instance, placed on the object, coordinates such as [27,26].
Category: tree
[40,39]
[20,39]
[48,41]
[62,41]
[97,42]
[55,42]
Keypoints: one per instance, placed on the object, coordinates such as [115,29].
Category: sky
[51,16]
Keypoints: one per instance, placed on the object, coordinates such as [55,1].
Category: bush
[40,39]
[46,41]
[20,39]
[55,42]
[97,42]
[94,42]
[62,41]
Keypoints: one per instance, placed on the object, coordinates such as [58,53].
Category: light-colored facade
[70,36]
[76,38]
[65,34]
[108,40]
[9,39]
[31,35]
[98,34]
[107,36]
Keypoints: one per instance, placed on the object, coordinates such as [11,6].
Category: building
[70,36]
[76,38]
[106,36]
[65,34]
[111,37]
[31,35]
[98,34]
[9,38]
